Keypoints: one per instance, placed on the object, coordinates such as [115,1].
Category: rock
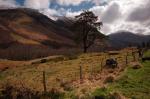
[136,65]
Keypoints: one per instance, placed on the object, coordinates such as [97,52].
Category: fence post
[91,70]
[81,73]
[116,61]
[126,60]
[102,64]
[133,55]
[44,82]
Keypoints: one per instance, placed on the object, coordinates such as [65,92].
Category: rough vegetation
[63,78]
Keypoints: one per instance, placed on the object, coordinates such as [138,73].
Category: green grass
[132,83]
[101,92]
[147,53]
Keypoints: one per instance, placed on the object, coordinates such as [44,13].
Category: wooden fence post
[116,61]
[91,70]
[134,56]
[102,64]
[81,73]
[44,82]
[126,58]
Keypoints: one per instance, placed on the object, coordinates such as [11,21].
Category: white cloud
[131,15]
[140,14]
[51,13]
[70,2]
[72,14]
[114,16]
[98,10]
[111,13]
[37,4]
[8,3]
[100,2]
[43,7]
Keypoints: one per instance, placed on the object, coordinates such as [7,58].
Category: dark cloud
[140,14]
[141,30]
[111,14]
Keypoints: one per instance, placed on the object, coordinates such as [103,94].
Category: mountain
[123,39]
[24,30]
[27,34]
[31,26]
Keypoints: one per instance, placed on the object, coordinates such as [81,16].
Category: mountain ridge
[32,34]
[123,39]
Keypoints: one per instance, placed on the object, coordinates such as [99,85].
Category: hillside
[23,30]
[34,35]
[123,39]
[31,25]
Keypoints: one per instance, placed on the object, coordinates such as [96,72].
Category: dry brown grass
[67,70]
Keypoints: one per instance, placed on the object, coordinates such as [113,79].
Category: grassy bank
[132,83]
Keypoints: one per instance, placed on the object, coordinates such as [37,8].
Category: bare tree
[87,28]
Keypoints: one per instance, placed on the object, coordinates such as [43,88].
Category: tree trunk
[85,49]
[85,44]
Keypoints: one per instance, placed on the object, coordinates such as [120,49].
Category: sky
[116,15]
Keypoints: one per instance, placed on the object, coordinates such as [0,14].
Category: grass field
[132,83]
[66,69]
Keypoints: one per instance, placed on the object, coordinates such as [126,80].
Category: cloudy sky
[116,15]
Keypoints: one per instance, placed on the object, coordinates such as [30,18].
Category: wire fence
[55,76]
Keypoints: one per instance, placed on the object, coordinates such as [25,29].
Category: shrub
[100,93]
[109,79]
[54,94]
[10,91]
[66,85]
[115,95]
[136,65]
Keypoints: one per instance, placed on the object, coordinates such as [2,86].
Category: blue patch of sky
[20,2]
[82,6]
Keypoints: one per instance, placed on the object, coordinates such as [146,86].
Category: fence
[48,76]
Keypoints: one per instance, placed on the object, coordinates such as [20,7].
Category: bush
[100,93]
[66,85]
[136,65]
[55,94]
[10,91]
[104,93]
[109,79]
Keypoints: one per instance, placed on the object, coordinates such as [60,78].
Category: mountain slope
[33,26]
[27,31]
[123,39]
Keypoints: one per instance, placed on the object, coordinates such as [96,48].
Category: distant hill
[123,39]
